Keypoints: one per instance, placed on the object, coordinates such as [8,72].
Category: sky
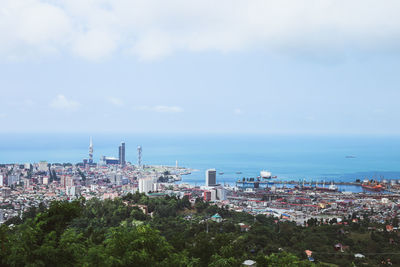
[186,66]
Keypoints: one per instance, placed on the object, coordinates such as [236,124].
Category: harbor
[354,187]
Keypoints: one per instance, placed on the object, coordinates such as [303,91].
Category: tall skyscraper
[211,177]
[122,154]
[139,151]
[91,151]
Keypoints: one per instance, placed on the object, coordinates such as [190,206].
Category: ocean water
[288,157]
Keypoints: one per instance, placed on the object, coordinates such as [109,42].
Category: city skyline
[199,133]
[278,68]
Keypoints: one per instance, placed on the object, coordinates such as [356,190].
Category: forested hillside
[119,233]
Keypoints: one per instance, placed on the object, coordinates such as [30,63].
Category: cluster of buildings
[26,185]
[297,205]
[212,190]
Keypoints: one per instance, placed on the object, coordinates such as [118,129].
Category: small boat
[221,173]
[350,157]
[238,172]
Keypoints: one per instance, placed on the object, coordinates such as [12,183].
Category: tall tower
[122,154]
[139,151]
[211,177]
[91,151]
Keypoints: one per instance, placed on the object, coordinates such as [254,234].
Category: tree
[218,261]
[281,260]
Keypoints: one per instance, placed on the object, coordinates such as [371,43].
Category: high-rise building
[221,194]
[207,195]
[139,149]
[91,151]
[12,179]
[69,181]
[43,166]
[211,177]
[63,181]
[146,184]
[122,154]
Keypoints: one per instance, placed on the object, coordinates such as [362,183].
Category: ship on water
[372,185]
[330,188]
[303,186]
[266,175]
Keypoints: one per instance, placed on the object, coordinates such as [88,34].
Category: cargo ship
[330,188]
[265,174]
[372,186]
[304,187]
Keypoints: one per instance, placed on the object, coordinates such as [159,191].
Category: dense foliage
[117,233]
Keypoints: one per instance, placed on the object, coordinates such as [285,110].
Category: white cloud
[116,101]
[160,108]
[32,26]
[3,115]
[168,109]
[95,44]
[152,29]
[62,103]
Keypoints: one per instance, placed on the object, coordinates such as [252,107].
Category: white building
[70,190]
[43,166]
[156,187]
[211,177]
[221,194]
[146,184]
[1,181]
[69,181]
[27,183]
[213,194]
[12,179]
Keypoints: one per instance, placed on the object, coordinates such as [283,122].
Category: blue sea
[288,157]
